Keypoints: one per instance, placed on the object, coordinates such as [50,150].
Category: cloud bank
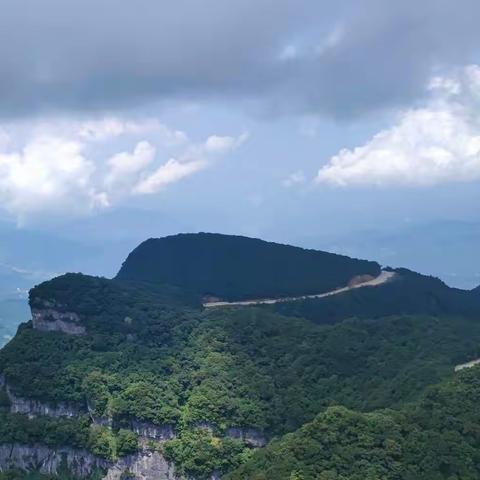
[56,170]
[438,143]
[339,58]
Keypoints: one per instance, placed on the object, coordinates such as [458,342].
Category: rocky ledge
[34,408]
[53,320]
[145,465]
[251,437]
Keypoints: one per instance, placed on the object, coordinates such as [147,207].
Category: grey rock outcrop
[252,437]
[34,408]
[48,460]
[52,320]
[145,465]
[151,431]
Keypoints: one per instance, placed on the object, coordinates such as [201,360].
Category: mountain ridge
[133,369]
[236,268]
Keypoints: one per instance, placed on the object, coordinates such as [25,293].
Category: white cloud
[123,165]
[102,129]
[437,144]
[219,145]
[170,172]
[68,168]
[294,178]
[194,159]
[47,174]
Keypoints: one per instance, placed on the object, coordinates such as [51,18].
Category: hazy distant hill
[446,249]
[12,313]
[234,267]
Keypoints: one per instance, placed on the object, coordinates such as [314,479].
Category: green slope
[435,438]
[151,353]
[235,268]
[408,293]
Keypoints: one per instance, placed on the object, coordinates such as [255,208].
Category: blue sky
[297,121]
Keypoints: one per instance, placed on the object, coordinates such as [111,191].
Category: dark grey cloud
[93,54]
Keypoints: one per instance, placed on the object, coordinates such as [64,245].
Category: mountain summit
[235,268]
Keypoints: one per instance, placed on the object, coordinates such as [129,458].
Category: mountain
[446,249]
[236,268]
[407,293]
[433,438]
[132,378]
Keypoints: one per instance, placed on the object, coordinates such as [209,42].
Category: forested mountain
[236,268]
[133,378]
[408,293]
[435,438]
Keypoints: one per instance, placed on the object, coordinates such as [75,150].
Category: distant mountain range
[445,249]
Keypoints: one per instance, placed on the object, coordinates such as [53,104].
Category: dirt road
[382,278]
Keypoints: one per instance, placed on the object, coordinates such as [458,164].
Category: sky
[314,123]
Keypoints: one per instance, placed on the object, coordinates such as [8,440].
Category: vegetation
[240,367]
[152,354]
[75,433]
[433,439]
[233,267]
[198,453]
[409,293]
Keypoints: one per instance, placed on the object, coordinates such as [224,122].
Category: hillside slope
[130,375]
[407,293]
[435,438]
[237,268]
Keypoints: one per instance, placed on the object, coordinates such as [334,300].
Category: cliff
[51,319]
[145,465]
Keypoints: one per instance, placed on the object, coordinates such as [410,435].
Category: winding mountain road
[381,279]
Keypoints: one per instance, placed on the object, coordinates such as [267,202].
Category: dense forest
[434,438]
[326,370]
[409,293]
[237,268]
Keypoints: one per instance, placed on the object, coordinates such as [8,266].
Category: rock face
[52,320]
[33,408]
[49,461]
[145,465]
[251,436]
[151,431]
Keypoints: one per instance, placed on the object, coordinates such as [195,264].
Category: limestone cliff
[51,319]
[145,465]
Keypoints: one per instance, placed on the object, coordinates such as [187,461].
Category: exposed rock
[251,436]
[145,465]
[152,431]
[359,279]
[33,408]
[52,320]
[48,460]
